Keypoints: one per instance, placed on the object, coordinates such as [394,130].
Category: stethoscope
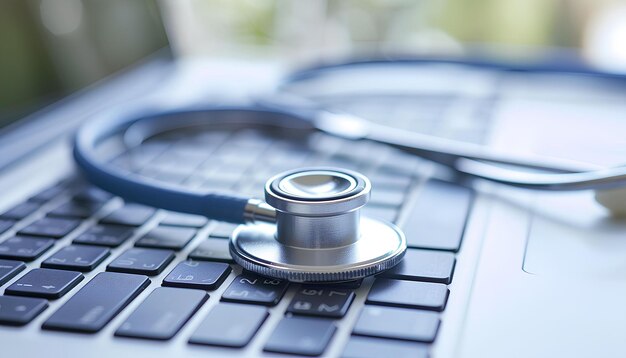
[309,228]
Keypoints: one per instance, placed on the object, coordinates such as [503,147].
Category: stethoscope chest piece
[319,235]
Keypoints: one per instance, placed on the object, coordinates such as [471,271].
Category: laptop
[490,271]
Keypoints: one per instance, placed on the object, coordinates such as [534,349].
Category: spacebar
[97,303]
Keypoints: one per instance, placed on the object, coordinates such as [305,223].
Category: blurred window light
[61,17]
[605,38]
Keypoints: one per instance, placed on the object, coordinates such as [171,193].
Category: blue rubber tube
[134,188]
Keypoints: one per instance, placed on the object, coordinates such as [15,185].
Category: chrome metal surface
[258,211]
[380,247]
[317,207]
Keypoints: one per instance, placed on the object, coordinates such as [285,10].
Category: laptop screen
[51,49]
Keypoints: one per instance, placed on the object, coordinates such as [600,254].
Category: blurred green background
[49,48]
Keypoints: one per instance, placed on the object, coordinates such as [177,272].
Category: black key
[187,220]
[18,311]
[5,225]
[105,235]
[93,195]
[301,335]
[212,250]
[381,213]
[167,237]
[45,283]
[366,347]
[130,215]
[162,314]
[47,194]
[97,303]
[387,197]
[50,227]
[76,209]
[24,248]
[197,274]
[230,325]
[438,218]
[321,301]
[10,268]
[409,294]
[77,258]
[142,261]
[346,284]
[383,180]
[424,265]
[20,211]
[223,230]
[397,323]
[250,288]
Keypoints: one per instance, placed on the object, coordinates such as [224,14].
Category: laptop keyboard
[103,253]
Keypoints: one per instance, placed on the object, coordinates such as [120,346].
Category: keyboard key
[409,294]
[301,335]
[212,250]
[130,215]
[187,220]
[321,301]
[93,195]
[76,209]
[162,314]
[438,218]
[381,213]
[366,347]
[387,197]
[50,227]
[5,225]
[10,268]
[148,262]
[45,283]
[397,323]
[197,274]
[77,258]
[18,311]
[105,235]
[387,181]
[167,237]
[230,325]
[20,211]
[250,288]
[424,265]
[47,194]
[346,284]
[24,248]
[223,230]
[97,303]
